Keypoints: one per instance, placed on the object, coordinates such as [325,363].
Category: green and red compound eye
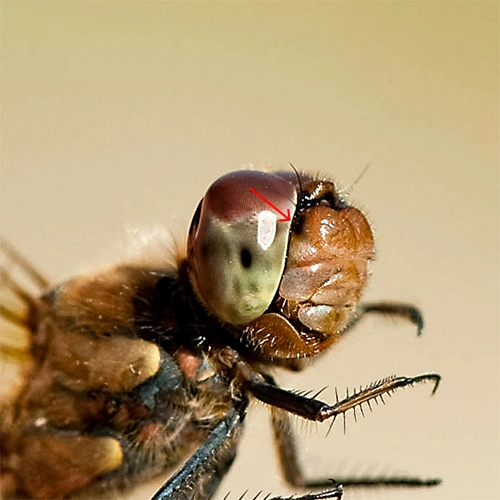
[237,245]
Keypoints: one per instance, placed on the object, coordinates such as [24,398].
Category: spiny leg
[334,491]
[313,409]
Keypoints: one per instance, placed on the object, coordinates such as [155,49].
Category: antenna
[347,192]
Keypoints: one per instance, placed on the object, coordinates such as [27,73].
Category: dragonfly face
[145,369]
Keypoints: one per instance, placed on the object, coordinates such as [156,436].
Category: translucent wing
[20,286]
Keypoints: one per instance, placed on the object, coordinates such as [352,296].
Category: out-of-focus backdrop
[118,115]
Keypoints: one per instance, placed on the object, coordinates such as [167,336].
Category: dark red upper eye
[230,198]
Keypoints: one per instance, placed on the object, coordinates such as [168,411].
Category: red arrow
[286,216]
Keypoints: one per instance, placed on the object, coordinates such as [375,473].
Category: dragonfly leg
[394,309]
[288,458]
[200,476]
[313,409]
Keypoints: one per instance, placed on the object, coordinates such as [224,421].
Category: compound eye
[237,245]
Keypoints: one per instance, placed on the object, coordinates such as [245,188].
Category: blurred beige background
[119,114]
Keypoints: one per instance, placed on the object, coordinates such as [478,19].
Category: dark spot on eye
[246,258]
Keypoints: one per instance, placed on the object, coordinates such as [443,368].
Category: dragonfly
[147,368]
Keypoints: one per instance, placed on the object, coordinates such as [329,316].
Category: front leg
[313,409]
